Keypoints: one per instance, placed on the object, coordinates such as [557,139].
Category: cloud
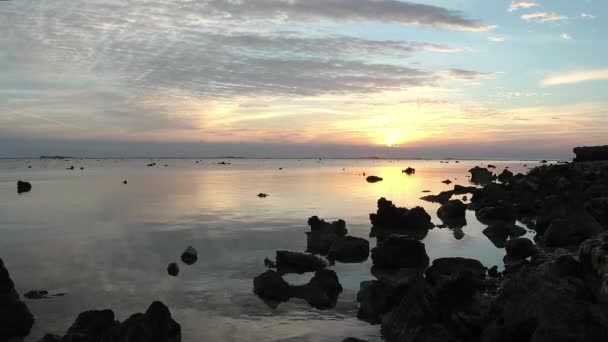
[566,36]
[543,17]
[517,5]
[467,75]
[587,16]
[576,77]
[497,39]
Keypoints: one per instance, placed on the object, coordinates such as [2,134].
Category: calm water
[107,245]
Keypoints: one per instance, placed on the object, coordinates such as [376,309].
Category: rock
[490,166]
[349,249]
[173,269]
[451,210]
[520,248]
[505,176]
[262,195]
[376,298]
[16,320]
[70,168]
[189,256]
[50,338]
[571,230]
[481,175]
[124,182]
[23,187]
[322,290]
[493,272]
[499,232]
[373,179]
[294,262]
[323,234]
[390,219]
[442,197]
[271,286]
[400,252]
[591,153]
[500,212]
[447,181]
[36,294]
[409,171]
[151,164]
[598,208]
[352,339]
[462,190]
[593,256]
[446,267]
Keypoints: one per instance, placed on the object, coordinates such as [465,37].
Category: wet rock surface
[16,320]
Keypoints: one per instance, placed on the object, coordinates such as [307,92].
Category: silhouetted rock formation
[189,256]
[499,232]
[373,179]
[323,234]
[481,175]
[505,176]
[294,262]
[173,269]
[409,171]
[399,252]
[262,195]
[155,325]
[390,219]
[16,320]
[520,248]
[23,187]
[441,198]
[349,249]
[452,213]
[594,153]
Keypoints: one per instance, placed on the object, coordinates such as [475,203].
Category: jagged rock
[373,179]
[490,195]
[271,286]
[446,267]
[189,256]
[400,252]
[593,256]
[377,298]
[442,197]
[571,230]
[462,190]
[591,153]
[390,219]
[493,272]
[323,234]
[16,320]
[499,232]
[452,213]
[409,171]
[294,262]
[322,290]
[262,195]
[481,175]
[505,176]
[23,187]
[349,249]
[499,212]
[447,181]
[173,269]
[520,248]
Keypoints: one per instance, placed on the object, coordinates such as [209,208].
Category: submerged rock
[294,262]
[189,256]
[349,249]
[323,234]
[23,187]
[16,320]
[400,252]
[373,179]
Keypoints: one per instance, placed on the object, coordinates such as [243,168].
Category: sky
[303,78]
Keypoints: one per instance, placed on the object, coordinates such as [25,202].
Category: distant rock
[173,269]
[23,187]
[594,153]
[41,294]
[16,320]
[189,256]
[349,249]
[124,182]
[481,175]
[409,171]
[490,166]
[400,252]
[323,234]
[447,181]
[151,164]
[294,262]
[373,179]
[262,195]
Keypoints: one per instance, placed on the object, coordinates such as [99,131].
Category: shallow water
[107,245]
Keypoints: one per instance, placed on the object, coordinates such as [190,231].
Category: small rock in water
[426,191]
[189,256]
[70,168]
[152,164]
[23,186]
[124,182]
[447,181]
[262,195]
[36,294]
[373,179]
[29,166]
[173,269]
[409,171]
[82,168]
[490,166]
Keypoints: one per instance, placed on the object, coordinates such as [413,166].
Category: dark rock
[173,269]
[598,208]
[493,272]
[151,164]
[490,166]
[16,320]
[571,230]
[262,195]
[390,219]
[294,262]
[377,298]
[400,252]
[462,190]
[373,179]
[323,234]
[124,182]
[50,338]
[452,213]
[409,171]
[156,325]
[23,187]
[446,267]
[352,339]
[271,286]
[499,232]
[591,153]
[505,176]
[520,248]
[322,290]
[481,175]
[447,181]
[189,256]
[37,294]
[593,256]
[349,249]
[442,197]
[500,212]
[82,168]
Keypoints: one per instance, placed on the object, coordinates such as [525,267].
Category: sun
[392,138]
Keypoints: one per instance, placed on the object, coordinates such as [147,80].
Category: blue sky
[341,78]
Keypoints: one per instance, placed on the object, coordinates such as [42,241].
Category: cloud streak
[543,17]
[575,77]
[517,5]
